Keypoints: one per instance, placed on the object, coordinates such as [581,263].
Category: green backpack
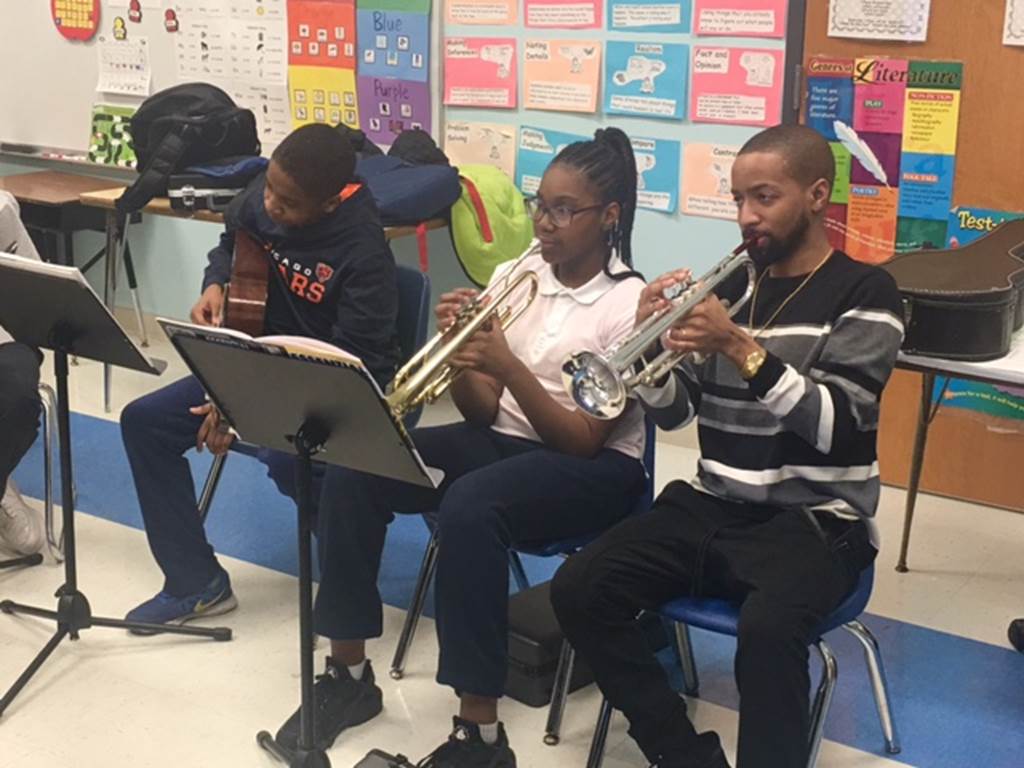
[489,222]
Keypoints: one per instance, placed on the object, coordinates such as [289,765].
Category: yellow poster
[323,95]
[930,121]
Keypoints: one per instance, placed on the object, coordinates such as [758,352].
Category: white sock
[489,732]
[357,670]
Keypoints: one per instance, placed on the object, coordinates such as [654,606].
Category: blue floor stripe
[957,702]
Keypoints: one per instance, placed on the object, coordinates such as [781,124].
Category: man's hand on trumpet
[652,298]
[708,329]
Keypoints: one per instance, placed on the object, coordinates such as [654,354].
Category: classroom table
[1005,371]
[104,200]
[50,205]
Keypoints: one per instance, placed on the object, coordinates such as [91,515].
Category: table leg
[924,420]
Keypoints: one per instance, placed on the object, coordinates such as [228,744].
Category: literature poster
[389,106]
[829,95]
[664,16]
[480,72]
[741,86]
[657,174]
[561,75]
[537,148]
[871,223]
[707,181]
[740,18]
[481,144]
[880,87]
[563,14]
[646,79]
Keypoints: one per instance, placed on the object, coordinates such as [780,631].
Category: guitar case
[965,303]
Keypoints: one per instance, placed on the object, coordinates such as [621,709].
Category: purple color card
[387,107]
[887,148]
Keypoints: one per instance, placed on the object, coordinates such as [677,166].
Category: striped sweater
[802,432]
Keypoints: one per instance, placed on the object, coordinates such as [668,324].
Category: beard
[769,249]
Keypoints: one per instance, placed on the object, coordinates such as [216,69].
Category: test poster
[666,16]
[389,106]
[903,20]
[323,95]
[481,144]
[657,173]
[561,75]
[480,72]
[493,12]
[707,181]
[740,18]
[646,79]
[393,43]
[322,33]
[741,86]
[563,14]
[537,148]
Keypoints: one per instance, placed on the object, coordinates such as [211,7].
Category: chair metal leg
[210,486]
[691,682]
[873,659]
[604,717]
[412,616]
[515,563]
[48,399]
[559,693]
[822,700]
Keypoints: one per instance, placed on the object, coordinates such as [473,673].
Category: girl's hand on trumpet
[652,298]
[450,304]
[487,352]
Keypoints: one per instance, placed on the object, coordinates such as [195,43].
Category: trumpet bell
[595,385]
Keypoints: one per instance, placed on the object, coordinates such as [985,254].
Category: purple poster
[387,107]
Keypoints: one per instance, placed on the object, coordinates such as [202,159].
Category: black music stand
[52,307]
[33,559]
[333,411]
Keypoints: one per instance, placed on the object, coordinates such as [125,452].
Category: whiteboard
[48,84]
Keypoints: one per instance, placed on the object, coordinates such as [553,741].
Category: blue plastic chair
[413,323]
[563,548]
[722,617]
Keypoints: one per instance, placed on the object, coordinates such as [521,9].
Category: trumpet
[429,372]
[601,384]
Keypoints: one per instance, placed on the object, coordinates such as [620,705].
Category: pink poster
[740,86]
[480,72]
[879,95]
[564,14]
[740,18]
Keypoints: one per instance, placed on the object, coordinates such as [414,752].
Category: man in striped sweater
[779,517]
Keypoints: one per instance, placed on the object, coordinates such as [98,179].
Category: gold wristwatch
[752,364]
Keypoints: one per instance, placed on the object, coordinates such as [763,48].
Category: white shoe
[21,526]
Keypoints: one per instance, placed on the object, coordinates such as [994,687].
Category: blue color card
[537,148]
[671,16]
[657,170]
[926,186]
[393,44]
[646,79]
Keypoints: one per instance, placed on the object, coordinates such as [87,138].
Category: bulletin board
[967,450]
[685,79]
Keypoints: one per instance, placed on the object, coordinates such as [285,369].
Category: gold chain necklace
[753,299]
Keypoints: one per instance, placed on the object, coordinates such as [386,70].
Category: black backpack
[183,126]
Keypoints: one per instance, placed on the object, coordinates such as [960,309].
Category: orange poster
[561,75]
[871,223]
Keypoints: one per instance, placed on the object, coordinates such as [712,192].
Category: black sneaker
[706,753]
[341,702]
[1016,634]
[466,749]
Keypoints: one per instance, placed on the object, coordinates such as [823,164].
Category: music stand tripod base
[25,560]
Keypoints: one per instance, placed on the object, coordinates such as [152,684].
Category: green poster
[841,189]
[917,234]
[940,75]
[110,143]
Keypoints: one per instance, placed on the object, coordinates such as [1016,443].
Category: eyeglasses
[560,215]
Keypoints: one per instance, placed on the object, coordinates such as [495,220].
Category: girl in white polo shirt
[524,465]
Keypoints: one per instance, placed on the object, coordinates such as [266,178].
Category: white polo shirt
[564,320]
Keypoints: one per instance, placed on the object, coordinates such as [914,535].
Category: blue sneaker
[215,599]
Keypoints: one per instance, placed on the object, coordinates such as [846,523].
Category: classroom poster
[1013,24]
[561,75]
[967,223]
[665,16]
[871,223]
[322,33]
[493,12]
[537,148]
[110,142]
[903,20]
[270,104]
[221,42]
[829,94]
[257,9]
[657,173]
[389,106]
[480,72]
[392,43]
[740,18]
[563,14]
[741,86]
[323,95]
[76,19]
[844,161]
[646,79]
[481,144]
[707,181]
